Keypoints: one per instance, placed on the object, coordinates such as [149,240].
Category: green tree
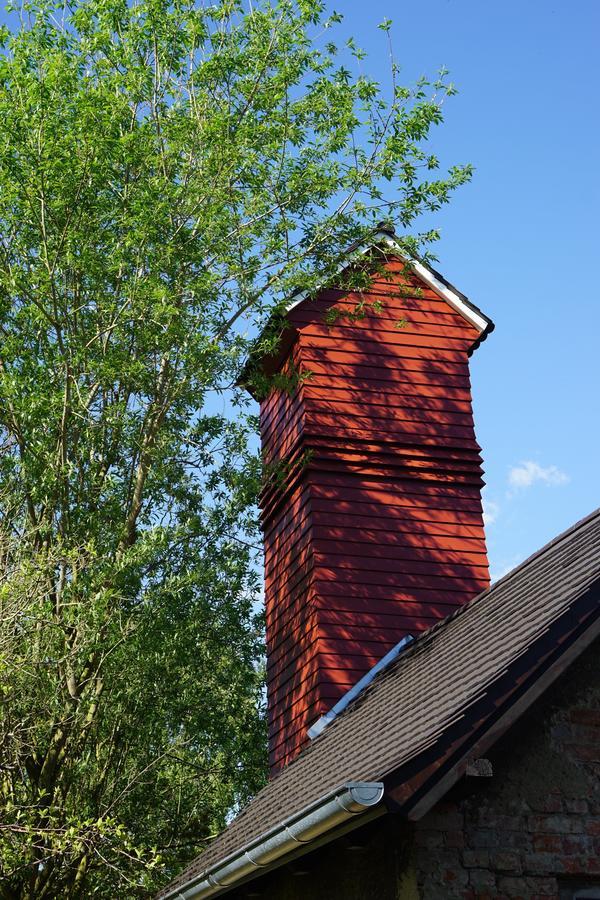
[170,171]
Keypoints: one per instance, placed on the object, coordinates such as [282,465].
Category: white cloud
[491,511]
[528,472]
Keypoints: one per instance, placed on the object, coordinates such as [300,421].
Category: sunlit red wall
[376,529]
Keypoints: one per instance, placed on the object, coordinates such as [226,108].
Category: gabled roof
[446,699]
[383,240]
[383,237]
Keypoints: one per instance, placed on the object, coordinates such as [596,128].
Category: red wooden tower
[378,529]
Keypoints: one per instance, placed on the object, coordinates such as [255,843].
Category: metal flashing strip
[321,724]
[348,801]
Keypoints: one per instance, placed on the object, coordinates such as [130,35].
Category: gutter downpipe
[348,801]
[325,720]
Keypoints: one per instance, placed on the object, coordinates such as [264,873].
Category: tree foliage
[170,171]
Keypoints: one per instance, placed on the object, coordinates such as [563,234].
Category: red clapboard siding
[376,530]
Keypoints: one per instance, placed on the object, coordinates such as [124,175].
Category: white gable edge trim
[446,293]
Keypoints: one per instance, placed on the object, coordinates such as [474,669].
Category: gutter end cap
[366,793]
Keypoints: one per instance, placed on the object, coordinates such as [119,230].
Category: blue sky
[522,240]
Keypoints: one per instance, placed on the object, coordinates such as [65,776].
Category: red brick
[585,716]
[551,803]
[555,824]
[576,806]
[547,842]
[584,752]
[506,861]
[476,859]
[455,840]
[487,818]
[577,844]
[482,878]
[513,887]
[582,865]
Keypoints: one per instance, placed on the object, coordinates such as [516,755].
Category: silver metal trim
[347,801]
[321,724]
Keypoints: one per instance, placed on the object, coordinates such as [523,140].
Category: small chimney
[376,529]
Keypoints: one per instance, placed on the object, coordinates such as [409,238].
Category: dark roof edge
[563,642]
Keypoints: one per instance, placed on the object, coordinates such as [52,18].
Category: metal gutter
[325,720]
[348,801]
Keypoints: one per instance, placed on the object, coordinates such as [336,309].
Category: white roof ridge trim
[383,237]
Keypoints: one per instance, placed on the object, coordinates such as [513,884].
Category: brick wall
[535,827]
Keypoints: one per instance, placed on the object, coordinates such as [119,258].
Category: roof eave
[351,800]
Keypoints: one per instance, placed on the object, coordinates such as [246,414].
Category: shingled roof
[447,698]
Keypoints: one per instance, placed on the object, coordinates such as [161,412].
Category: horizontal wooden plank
[308,706]
[366,382]
[317,677]
[411,609]
[362,554]
[285,658]
[410,406]
[418,603]
[355,535]
[387,495]
[446,537]
[401,582]
[397,531]
[404,613]
[292,555]
[416,433]
[393,423]
[343,566]
[390,318]
[392,419]
[386,543]
[332,479]
[414,594]
[335,396]
[399,451]
[341,663]
[286,419]
[278,403]
[420,588]
[323,514]
[388,333]
[440,377]
[424,359]
[426,303]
